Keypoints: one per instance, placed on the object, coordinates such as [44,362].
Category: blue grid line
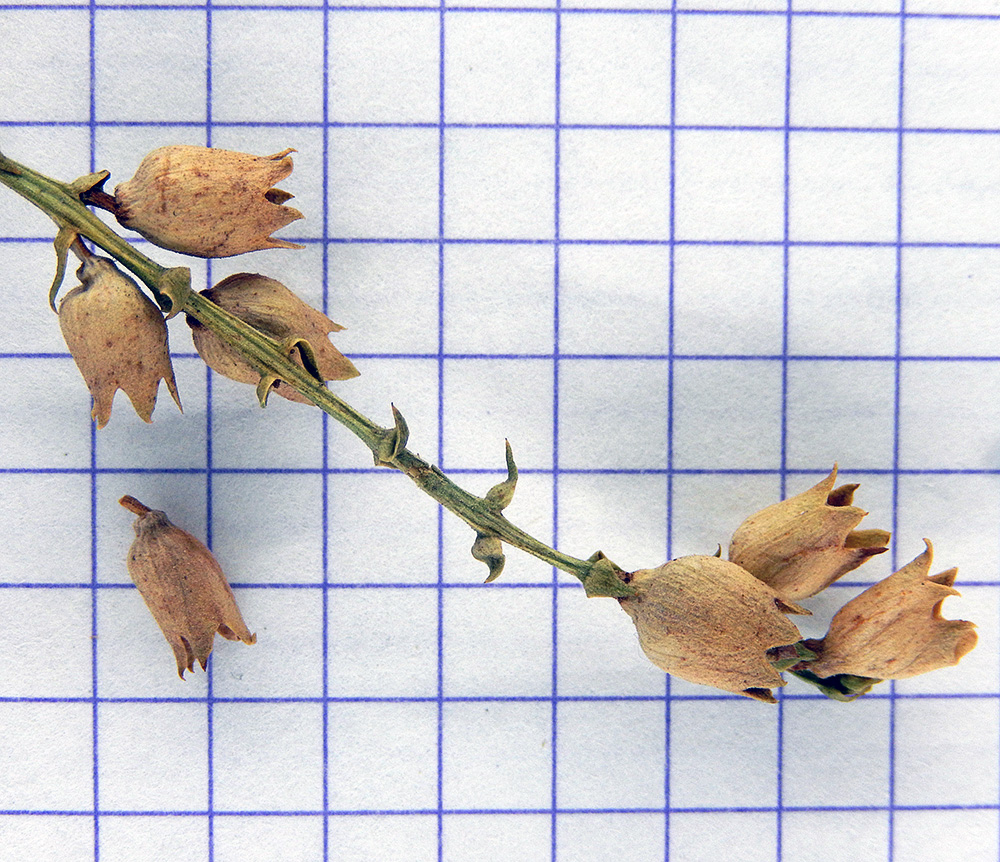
[487,126]
[671,366]
[896,406]
[378,812]
[457,585]
[526,698]
[609,10]
[783,444]
[596,241]
[325,443]
[537,471]
[811,358]
[441,309]
[209,463]
[556,352]
[95,728]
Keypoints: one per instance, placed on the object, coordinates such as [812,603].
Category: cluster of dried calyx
[723,623]
[207,203]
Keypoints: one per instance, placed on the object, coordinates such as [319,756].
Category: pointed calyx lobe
[803,544]
[487,547]
[183,587]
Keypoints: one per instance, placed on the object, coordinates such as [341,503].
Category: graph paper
[684,256]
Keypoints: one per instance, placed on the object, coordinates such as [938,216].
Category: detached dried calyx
[183,587]
[207,202]
[118,339]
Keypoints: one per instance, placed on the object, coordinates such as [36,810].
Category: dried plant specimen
[720,623]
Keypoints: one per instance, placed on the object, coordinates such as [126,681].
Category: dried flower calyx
[803,544]
[708,621]
[272,308]
[894,629]
[118,339]
[207,202]
[183,587]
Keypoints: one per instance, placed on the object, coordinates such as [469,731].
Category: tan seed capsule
[183,587]
[272,308]
[118,339]
[708,621]
[207,202]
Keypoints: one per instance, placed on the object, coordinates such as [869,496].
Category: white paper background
[683,258]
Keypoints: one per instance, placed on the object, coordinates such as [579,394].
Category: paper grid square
[41,740]
[64,89]
[132,78]
[131,748]
[501,183]
[383,67]
[707,767]
[730,70]
[490,632]
[403,624]
[842,300]
[287,83]
[486,394]
[842,186]
[624,289]
[378,756]
[740,836]
[251,738]
[392,837]
[498,298]
[729,185]
[740,284]
[845,71]
[635,525]
[615,70]
[614,184]
[152,837]
[478,774]
[48,837]
[383,182]
[500,68]
[590,775]
[520,838]
[294,839]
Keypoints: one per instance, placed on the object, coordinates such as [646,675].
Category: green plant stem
[172,289]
